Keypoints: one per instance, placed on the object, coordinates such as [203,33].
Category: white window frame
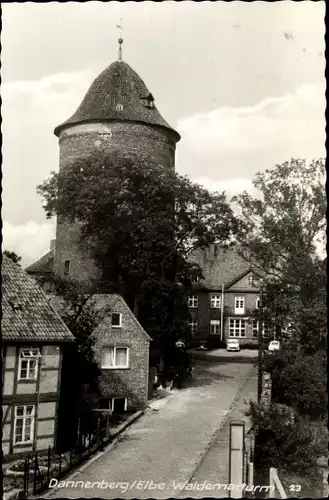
[214,323]
[257,302]
[120,322]
[193,327]
[24,417]
[215,301]
[118,397]
[237,332]
[195,279]
[115,367]
[251,280]
[256,328]
[239,309]
[193,301]
[29,355]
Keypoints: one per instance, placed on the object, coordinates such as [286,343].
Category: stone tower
[118,113]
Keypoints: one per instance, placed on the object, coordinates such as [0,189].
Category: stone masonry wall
[131,382]
[132,139]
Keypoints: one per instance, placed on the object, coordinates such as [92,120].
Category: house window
[119,107]
[116,320]
[116,404]
[193,301]
[255,329]
[24,424]
[214,327]
[28,364]
[67,265]
[115,357]
[195,279]
[193,327]
[251,280]
[215,301]
[237,327]
[257,302]
[239,305]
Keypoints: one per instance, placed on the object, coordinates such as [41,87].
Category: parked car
[232,345]
[274,345]
[203,346]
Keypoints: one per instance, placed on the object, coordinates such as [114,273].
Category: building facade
[222,302]
[121,348]
[33,337]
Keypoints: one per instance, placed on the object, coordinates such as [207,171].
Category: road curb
[99,454]
[217,431]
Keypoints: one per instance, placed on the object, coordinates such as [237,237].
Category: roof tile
[117,85]
[27,314]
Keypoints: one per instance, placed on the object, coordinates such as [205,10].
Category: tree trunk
[136,308]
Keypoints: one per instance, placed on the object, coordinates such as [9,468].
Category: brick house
[33,336]
[122,350]
[221,303]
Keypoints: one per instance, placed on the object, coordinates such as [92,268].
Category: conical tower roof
[117,94]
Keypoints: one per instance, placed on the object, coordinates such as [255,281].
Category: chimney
[52,244]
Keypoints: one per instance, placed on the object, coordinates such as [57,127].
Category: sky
[243,83]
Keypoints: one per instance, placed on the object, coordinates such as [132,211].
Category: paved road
[165,446]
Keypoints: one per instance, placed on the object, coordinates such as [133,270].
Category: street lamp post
[260,343]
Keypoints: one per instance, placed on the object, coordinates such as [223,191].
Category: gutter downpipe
[222,315]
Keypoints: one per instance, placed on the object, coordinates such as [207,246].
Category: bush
[284,440]
[299,381]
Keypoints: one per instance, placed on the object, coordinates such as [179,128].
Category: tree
[279,232]
[13,256]
[141,221]
[80,372]
[284,440]
[299,381]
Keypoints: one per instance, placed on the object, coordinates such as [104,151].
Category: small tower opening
[148,101]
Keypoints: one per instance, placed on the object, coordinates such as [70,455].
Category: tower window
[148,101]
[67,267]
[119,107]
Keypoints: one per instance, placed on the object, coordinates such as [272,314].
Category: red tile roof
[117,85]
[27,315]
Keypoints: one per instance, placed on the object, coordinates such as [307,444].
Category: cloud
[230,186]
[237,141]
[30,241]
[30,111]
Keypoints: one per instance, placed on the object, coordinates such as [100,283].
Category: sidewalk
[214,468]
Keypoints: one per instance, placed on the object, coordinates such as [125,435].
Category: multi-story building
[221,303]
[121,350]
[33,336]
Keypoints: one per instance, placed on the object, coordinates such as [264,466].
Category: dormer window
[148,101]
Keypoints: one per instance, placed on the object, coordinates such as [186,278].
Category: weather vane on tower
[120,26]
